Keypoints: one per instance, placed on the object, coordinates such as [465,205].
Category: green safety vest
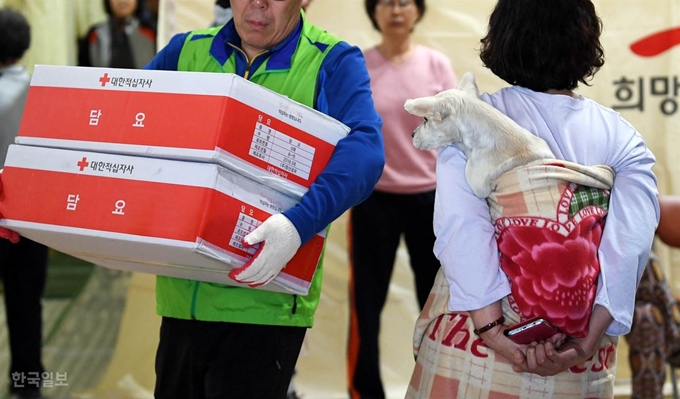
[189,299]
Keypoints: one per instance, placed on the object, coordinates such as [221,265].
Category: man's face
[262,24]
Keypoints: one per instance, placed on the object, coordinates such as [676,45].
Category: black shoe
[292,395]
[27,395]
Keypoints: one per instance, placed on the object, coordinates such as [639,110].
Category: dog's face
[492,142]
[441,113]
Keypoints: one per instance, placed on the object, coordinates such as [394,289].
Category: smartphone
[528,331]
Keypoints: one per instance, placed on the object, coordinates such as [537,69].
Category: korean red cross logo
[82,164]
[105,79]
[656,43]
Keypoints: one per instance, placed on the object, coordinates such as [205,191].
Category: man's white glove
[279,240]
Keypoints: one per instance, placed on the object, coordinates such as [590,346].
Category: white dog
[492,142]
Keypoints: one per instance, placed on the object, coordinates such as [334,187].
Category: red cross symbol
[82,164]
[105,79]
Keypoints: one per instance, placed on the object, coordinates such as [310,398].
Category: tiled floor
[80,333]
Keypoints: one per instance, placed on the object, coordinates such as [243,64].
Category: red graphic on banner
[105,79]
[656,43]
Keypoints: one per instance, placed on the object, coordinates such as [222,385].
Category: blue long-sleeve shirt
[358,159]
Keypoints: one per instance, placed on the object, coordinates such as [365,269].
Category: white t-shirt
[577,130]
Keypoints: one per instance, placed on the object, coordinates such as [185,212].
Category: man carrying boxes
[222,341]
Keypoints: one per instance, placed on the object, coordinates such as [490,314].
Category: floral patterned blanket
[549,216]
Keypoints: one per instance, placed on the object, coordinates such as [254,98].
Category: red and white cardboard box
[174,218]
[198,116]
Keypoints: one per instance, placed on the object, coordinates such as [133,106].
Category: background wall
[55,27]
[644,88]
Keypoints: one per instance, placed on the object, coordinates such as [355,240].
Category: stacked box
[154,215]
[195,116]
[110,174]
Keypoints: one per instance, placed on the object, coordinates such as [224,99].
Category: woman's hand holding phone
[549,358]
[534,337]
[532,330]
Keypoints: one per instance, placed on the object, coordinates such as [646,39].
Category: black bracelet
[489,326]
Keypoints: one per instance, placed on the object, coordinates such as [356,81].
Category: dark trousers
[211,360]
[376,227]
[23,269]
[654,337]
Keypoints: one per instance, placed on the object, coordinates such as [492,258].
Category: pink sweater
[408,170]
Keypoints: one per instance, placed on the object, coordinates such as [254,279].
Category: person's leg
[291,393]
[216,360]
[177,364]
[419,237]
[662,297]
[652,332]
[375,230]
[255,361]
[24,273]
[646,352]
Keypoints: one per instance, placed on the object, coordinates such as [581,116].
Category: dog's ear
[469,85]
[420,106]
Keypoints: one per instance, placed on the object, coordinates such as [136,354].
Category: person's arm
[358,159]
[545,359]
[84,49]
[629,228]
[168,58]
[668,230]
[466,243]
[344,93]
[466,247]
[624,249]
